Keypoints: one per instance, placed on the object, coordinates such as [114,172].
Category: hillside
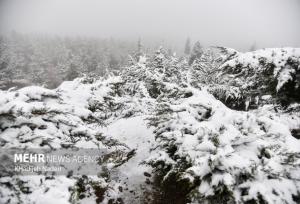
[224,129]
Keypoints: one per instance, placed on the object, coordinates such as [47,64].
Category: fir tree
[138,50]
[71,73]
[196,52]
[253,47]
[187,48]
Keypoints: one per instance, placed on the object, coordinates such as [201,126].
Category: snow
[281,58]
[285,76]
[231,142]
[278,56]
[46,191]
[184,127]
[58,116]
[134,133]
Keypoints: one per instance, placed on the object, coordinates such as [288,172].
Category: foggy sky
[232,23]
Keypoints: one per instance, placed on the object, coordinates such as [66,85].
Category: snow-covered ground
[154,123]
[134,133]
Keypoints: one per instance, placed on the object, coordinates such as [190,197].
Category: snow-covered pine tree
[10,64]
[155,71]
[196,52]
[158,60]
[187,47]
[139,50]
[176,71]
[6,74]
[72,72]
[75,67]
[204,69]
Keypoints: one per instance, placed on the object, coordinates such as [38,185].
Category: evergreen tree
[187,48]
[5,68]
[196,52]
[113,62]
[72,72]
[139,50]
[159,60]
[205,69]
[253,47]
[33,58]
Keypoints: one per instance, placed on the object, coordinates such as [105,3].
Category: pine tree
[187,48]
[5,70]
[72,72]
[175,71]
[196,52]
[253,47]
[159,60]
[113,62]
[139,50]
[205,69]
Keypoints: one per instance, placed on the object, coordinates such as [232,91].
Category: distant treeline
[44,60]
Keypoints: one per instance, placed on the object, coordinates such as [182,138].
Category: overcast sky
[232,23]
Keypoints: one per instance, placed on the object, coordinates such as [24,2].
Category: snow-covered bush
[216,155]
[232,96]
[204,151]
[73,115]
[273,71]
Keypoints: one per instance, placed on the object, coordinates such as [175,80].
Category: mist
[232,23]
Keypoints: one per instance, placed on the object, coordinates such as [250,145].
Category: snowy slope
[236,156]
[168,140]
[134,133]
[35,117]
